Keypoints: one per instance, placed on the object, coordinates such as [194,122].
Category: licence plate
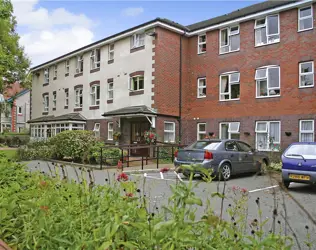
[299,177]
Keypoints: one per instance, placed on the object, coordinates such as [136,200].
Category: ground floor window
[6,127]
[96,130]
[229,130]
[169,132]
[201,131]
[306,130]
[48,130]
[110,131]
[268,135]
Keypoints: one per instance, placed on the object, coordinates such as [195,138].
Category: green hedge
[14,139]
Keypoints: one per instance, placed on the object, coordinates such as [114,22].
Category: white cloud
[50,33]
[132,11]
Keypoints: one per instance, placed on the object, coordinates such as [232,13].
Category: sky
[49,29]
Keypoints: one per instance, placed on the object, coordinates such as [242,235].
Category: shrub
[277,166]
[110,156]
[14,139]
[35,150]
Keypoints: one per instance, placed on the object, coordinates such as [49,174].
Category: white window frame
[309,73]
[257,79]
[55,71]
[20,113]
[307,131]
[93,92]
[229,34]
[230,132]
[111,52]
[95,63]
[46,102]
[199,81]
[200,44]
[96,130]
[79,64]
[46,75]
[266,26]
[230,83]
[77,97]
[110,90]
[267,131]
[67,66]
[303,18]
[66,97]
[199,132]
[137,89]
[173,131]
[54,99]
[138,40]
[110,131]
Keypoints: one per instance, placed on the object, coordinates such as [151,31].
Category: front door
[137,137]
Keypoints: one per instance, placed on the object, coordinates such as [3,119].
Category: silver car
[224,157]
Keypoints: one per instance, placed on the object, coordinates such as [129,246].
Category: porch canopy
[134,111]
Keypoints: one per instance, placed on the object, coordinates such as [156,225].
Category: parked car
[225,157]
[299,163]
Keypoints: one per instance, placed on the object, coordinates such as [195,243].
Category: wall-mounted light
[246,133]
[288,133]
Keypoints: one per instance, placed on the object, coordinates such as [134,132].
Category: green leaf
[194,201]
[218,195]
[3,213]
[105,245]
[163,224]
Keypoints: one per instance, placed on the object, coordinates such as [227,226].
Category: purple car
[299,163]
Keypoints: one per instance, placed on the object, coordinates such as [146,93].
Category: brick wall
[103,127]
[160,123]
[13,116]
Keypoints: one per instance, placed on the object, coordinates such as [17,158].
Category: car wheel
[286,184]
[225,172]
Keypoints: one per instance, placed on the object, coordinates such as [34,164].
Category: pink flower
[164,170]
[119,165]
[122,177]
[244,190]
[129,195]
[234,188]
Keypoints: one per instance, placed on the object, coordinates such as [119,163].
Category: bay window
[229,40]
[229,86]
[306,131]
[229,130]
[268,135]
[268,81]
[267,30]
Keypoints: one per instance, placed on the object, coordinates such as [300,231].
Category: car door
[232,154]
[246,157]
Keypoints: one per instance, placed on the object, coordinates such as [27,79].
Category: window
[78,98]
[201,44]
[79,64]
[169,132]
[268,135]
[229,40]
[96,130]
[66,97]
[110,131]
[95,59]
[46,75]
[110,90]
[67,66]
[111,52]
[19,110]
[137,40]
[267,30]
[231,146]
[305,18]
[54,99]
[229,130]
[46,102]
[229,86]
[137,83]
[201,131]
[306,74]
[306,131]
[268,81]
[55,71]
[95,95]
[201,88]
[243,146]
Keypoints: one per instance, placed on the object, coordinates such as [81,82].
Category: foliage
[35,150]
[110,155]
[14,139]
[277,166]
[40,212]
[150,137]
[9,153]
[116,135]
[13,61]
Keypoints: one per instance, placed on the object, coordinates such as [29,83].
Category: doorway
[137,137]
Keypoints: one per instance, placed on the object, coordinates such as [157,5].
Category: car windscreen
[308,151]
[209,145]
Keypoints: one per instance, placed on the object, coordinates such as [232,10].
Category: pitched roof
[24,91]
[12,89]
[52,118]
[132,110]
[266,5]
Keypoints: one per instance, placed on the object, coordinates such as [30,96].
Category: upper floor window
[95,95]
[20,110]
[46,75]
[67,66]
[305,18]
[95,58]
[66,97]
[54,99]
[306,130]
[137,83]
[79,64]
[46,102]
[268,135]
[306,74]
[111,52]
[201,44]
[201,91]
[229,130]
[137,40]
[229,39]
[268,81]
[169,132]
[55,71]
[267,30]
[201,131]
[229,86]
[110,90]
[78,98]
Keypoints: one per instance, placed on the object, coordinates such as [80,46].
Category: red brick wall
[160,127]
[13,116]
[294,103]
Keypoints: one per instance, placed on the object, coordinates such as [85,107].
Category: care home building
[248,74]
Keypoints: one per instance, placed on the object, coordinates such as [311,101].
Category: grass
[9,153]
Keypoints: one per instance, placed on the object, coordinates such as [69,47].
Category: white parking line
[261,189]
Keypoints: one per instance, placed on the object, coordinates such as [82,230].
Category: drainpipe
[180,88]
